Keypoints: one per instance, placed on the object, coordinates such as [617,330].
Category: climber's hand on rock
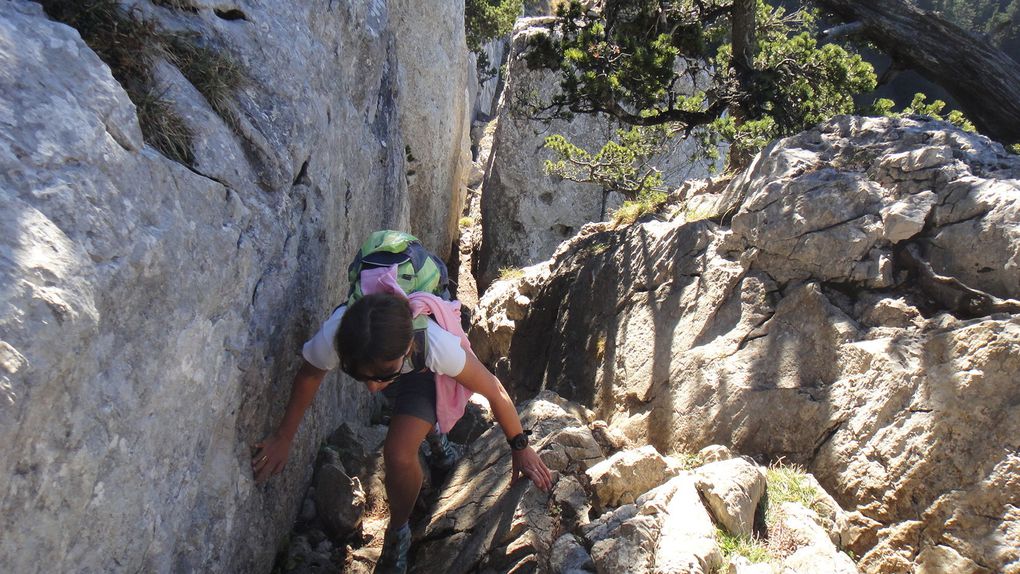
[527,464]
[270,457]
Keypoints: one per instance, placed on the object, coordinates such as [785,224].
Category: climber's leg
[403,471]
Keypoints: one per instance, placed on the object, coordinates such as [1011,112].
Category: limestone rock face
[856,313]
[152,312]
[526,213]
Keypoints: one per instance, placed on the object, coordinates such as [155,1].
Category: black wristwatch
[519,442]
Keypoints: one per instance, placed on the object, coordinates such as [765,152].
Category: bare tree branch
[981,77]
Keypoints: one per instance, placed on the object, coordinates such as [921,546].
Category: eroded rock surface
[850,306]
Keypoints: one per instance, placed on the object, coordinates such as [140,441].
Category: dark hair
[374,329]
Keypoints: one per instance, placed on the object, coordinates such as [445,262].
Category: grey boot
[396,545]
[445,454]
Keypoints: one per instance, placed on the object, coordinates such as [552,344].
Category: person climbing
[395,335]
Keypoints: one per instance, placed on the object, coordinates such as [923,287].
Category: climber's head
[375,335]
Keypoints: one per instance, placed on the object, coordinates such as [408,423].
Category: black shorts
[414,394]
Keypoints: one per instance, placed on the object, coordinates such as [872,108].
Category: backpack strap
[420,350]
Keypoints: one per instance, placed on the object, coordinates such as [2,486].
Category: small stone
[307,510]
[569,555]
[714,453]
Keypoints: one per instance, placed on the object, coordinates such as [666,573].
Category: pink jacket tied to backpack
[451,396]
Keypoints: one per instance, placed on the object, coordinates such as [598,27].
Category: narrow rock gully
[343,516]
[616,506]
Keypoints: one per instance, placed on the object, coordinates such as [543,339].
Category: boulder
[623,477]
[667,530]
[480,518]
[810,322]
[798,535]
[339,498]
[476,420]
[732,489]
[568,555]
[814,560]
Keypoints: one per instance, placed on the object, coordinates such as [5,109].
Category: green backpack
[417,269]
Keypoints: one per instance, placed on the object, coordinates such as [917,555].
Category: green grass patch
[632,210]
[751,548]
[689,460]
[789,483]
[466,222]
[507,273]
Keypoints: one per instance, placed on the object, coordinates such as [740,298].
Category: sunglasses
[383,378]
[380,379]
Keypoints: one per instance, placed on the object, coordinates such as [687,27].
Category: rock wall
[435,72]
[152,313]
[851,306]
[526,213]
[488,89]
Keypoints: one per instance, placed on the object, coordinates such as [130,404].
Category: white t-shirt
[445,355]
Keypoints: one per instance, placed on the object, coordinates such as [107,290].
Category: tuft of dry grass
[163,128]
[633,210]
[216,76]
[507,273]
[129,44]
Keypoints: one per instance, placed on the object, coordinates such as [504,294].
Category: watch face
[519,442]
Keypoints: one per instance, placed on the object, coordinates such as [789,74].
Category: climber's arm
[272,452]
[525,462]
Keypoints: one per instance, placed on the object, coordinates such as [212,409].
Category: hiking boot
[396,545]
[443,453]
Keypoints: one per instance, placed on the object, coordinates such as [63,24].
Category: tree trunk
[744,41]
[984,80]
[745,44]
